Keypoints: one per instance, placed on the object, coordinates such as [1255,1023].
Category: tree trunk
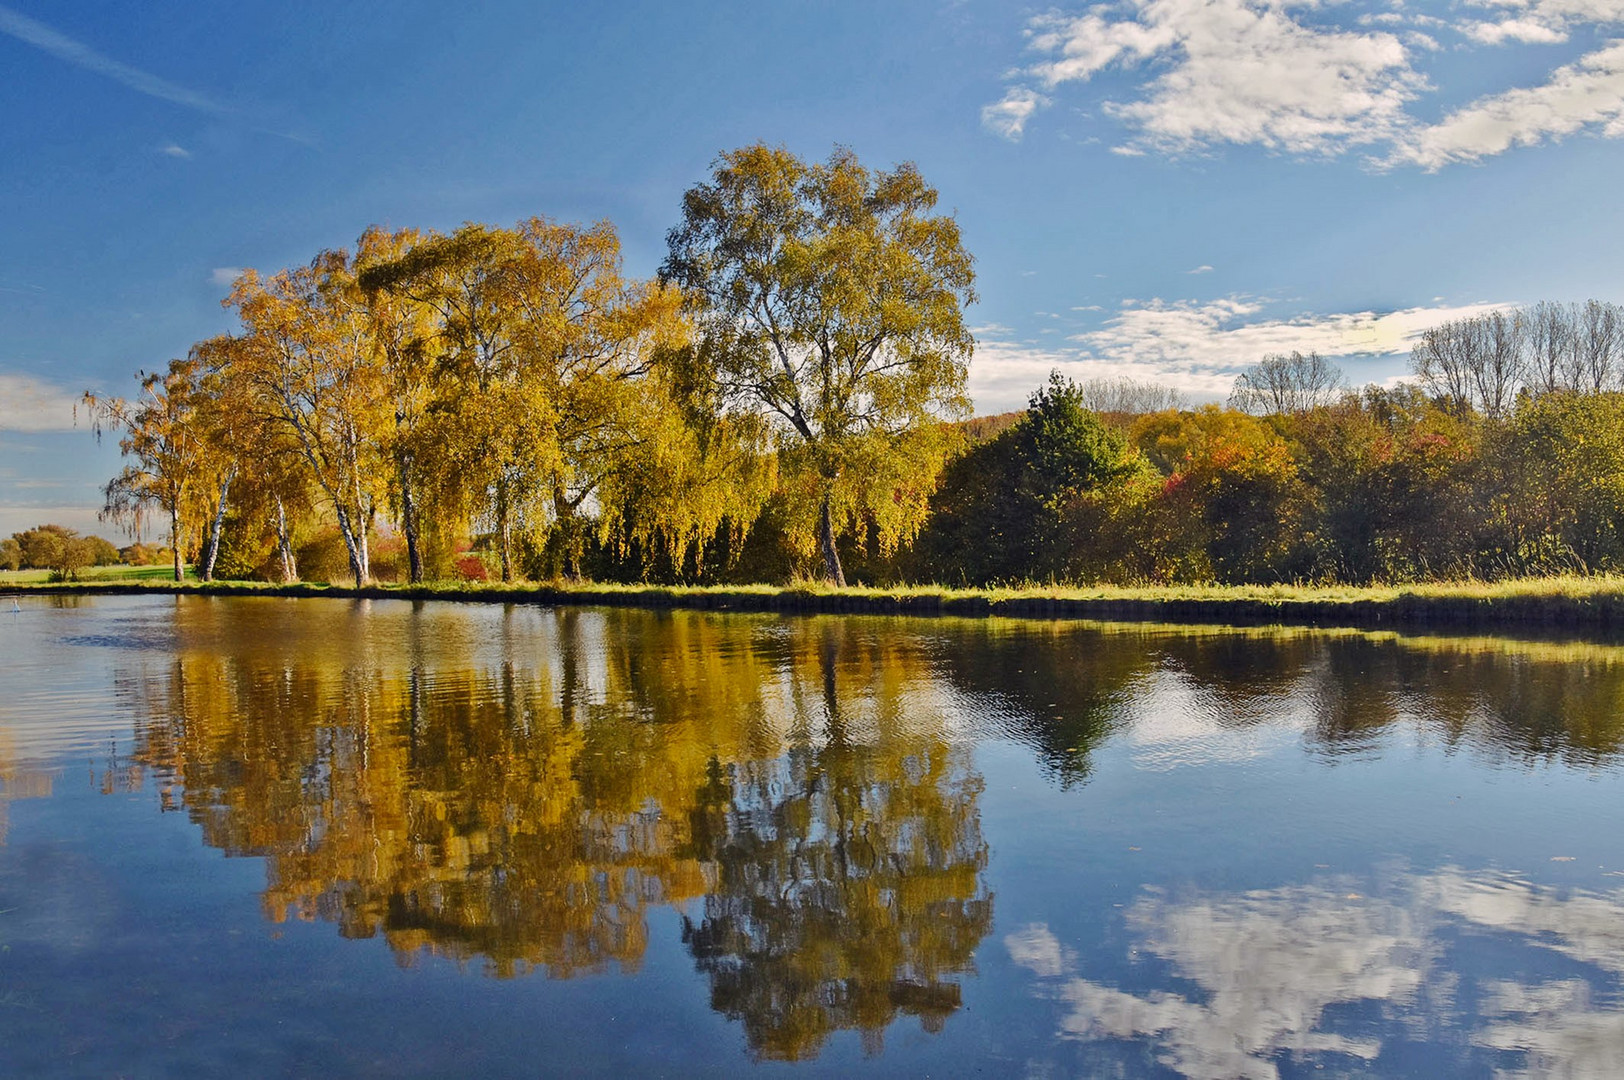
[564,529]
[408,504]
[504,530]
[826,540]
[408,524]
[284,547]
[355,544]
[211,550]
[174,541]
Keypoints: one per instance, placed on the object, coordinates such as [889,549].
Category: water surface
[384,838]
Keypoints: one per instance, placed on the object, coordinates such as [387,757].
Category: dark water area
[329,837]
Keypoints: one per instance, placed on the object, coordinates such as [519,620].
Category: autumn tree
[402,332]
[232,436]
[56,548]
[831,296]
[162,437]
[307,354]
[491,418]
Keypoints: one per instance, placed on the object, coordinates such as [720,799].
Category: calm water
[339,838]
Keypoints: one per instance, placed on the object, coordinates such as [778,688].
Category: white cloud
[1270,964]
[1235,71]
[1279,74]
[1532,31]
[1008,117]
[1540,22]
[175,150]
[1202,269]
[225,275]
[80,55]
[1195,347]
[1036,948]
[1228,334]
[1585,94]
[30,404]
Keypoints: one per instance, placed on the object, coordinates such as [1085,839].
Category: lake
[332,837]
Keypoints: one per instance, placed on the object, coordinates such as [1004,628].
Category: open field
[92,575]
[1591,601]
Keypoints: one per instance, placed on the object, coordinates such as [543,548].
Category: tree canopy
[831,298]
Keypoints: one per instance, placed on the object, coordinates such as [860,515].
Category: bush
[144,555]
[324,557]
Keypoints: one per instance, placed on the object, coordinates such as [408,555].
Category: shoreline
[1580,603]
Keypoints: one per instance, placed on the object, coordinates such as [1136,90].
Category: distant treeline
[65,553]
[787,398]
[1371,485]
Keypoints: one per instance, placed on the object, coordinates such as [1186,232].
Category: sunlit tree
[307,354]
[832,297]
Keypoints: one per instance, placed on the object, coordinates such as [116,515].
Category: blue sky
[1163,188]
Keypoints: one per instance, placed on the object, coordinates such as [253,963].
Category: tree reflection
[849,884]
[522,802]
[517,789]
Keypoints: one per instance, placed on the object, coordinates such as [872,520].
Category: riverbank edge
[1589,603]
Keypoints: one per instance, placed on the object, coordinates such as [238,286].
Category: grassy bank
[1590,602]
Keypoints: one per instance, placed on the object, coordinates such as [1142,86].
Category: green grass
[95,574]
[1589,601]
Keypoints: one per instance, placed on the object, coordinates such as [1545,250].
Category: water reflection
[801,791]
[848,889]
[1342,967]
[18,781]
[1217,693]
[518,790]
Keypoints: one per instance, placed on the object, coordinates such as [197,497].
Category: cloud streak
[83,56]
[1197,347]
[1586,94]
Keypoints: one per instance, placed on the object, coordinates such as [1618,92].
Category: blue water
[332,837]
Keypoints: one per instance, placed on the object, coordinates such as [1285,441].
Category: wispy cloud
[1195,347]
[1008,117]
[1202,269]
[225,275]
[1281,75]
[1231,333]
[31,404]
[1538,22]
[81,55]
[175,150]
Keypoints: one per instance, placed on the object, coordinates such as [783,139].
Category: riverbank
[1587,602]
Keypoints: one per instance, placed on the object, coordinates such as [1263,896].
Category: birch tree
[307,353]
[832,298]
[165,445]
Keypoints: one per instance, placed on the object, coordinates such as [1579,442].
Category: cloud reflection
[1287,972]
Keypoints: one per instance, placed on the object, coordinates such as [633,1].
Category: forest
[786,400]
